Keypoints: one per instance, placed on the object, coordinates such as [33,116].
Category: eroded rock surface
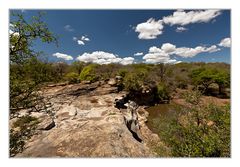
[87,124]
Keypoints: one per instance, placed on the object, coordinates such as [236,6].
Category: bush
[89,73]
[199,131]
[26,125]
[122,72]
[162,92]
[132,82]
[72,77]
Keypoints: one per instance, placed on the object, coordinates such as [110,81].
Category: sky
[137,36]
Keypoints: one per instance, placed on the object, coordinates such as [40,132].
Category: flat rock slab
[85,125]
[107,137]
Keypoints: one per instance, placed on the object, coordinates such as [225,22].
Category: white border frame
[121,4]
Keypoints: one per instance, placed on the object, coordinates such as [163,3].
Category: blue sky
[158,36]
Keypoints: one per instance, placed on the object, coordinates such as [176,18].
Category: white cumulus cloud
[80,42]
[101,57]
[168,48]
[157,55]
[191,52]
[153,28]
[212,49]
[138,54]
[163,54]
[127,60]
[63,56]
[180,17]
[150,29]
[226,42]
[84,38]
[181,29]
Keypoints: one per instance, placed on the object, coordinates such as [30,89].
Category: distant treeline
[135,77]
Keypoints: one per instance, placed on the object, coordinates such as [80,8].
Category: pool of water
[160,116]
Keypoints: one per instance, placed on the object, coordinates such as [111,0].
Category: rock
[86,82]
[210,123]
[17,129]
[58,84]
[23,113]
[118,77]
[103,138]
[87,125]
[106,90]
[12,121]
[37,114]
[46,123]
[131,120]
[72,111]
[112,82]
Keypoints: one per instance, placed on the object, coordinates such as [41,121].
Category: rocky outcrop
[89,125]
[131,120]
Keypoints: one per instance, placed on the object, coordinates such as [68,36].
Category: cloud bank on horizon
[155,54]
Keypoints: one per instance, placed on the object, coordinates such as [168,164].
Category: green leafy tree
[222,78]
[206,76]
[26,72]
[23,33]
[203,77]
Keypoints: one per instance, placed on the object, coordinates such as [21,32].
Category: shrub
[199,131]
[26,125]
[122,72]
[72,77]
[133,81]
[89,73]
[162,92]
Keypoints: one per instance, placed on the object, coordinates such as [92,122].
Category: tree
[222,78]
[24,33]
[61,69]
[161,70]
[77,67]
[24,73]
[203,77]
